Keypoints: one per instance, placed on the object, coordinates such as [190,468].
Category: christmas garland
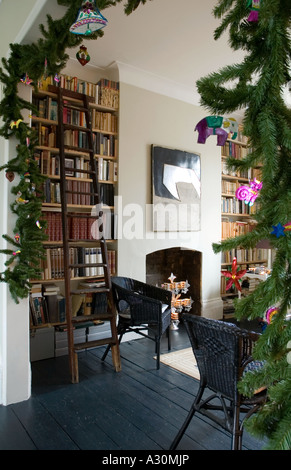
[29,63]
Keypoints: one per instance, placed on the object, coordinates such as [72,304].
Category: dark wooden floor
[138,408]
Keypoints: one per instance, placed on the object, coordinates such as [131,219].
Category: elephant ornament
[216,125]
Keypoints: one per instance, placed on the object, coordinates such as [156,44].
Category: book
[51,299]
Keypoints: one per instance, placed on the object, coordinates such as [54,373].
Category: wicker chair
[222,351]
[142,307]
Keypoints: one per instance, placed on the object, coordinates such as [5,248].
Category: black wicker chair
[142,307]
[222,351]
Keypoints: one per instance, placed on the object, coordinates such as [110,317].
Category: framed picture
[176,190]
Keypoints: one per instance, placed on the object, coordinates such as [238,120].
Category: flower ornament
[233,275]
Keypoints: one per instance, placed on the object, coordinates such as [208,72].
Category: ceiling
[170,39]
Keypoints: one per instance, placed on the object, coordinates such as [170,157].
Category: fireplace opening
[185,264]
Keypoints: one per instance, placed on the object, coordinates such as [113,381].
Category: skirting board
[212,308]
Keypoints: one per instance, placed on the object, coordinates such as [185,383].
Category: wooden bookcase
[236,216]
[104,105]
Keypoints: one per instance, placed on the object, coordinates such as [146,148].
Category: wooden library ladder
[79,103]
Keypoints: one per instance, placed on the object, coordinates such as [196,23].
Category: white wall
[15,375]
[150,118]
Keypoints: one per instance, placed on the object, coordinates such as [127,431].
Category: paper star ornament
[233,276]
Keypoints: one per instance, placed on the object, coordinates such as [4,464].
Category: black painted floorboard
[138,408]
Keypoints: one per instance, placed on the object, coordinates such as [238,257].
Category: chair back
[140,302]
[221,350]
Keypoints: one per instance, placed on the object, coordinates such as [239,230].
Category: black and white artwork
[176,190]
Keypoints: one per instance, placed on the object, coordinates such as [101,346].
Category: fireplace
[185,264]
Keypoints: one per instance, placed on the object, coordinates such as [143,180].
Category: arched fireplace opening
[185,264]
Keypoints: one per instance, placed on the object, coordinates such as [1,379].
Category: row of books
[235,150]
[52,193]
[47,305]
[105,92]
[241,137]
[232,205]
[107,170]
[238,174]
[106,192]
[53,265]
[228,187]
[79,228]
[75,138]
[80,192]
[46,107]
[105,122]
[50,165]
[248,255]
[234,229]
[47,135]
[103,144]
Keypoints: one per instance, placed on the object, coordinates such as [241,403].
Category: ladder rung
[72,105]
[90,290]
[77,170]
[93,344]
[84,216]
[77,128]
[95,316]
[84,240]
[88,265]
[78,149]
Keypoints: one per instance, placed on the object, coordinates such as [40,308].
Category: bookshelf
[236,216]
[104,104]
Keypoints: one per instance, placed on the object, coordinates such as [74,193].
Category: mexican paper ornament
[249,194]
[233,276]
[83,56]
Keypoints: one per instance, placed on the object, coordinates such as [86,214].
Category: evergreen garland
[23,258]
[256,84]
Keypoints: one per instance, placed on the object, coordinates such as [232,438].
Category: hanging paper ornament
[45,75]
[83,56]
[25,177]
[20,200]
[16,252]
[249,194]
[56,78]
[38,224]
[278,230]
[10,176]
[216,125]
[233,275]
[25,79]
[17,237]
[289,352]
[270,313]
[287,227]
[89,19]
[15,123]
[254,5]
